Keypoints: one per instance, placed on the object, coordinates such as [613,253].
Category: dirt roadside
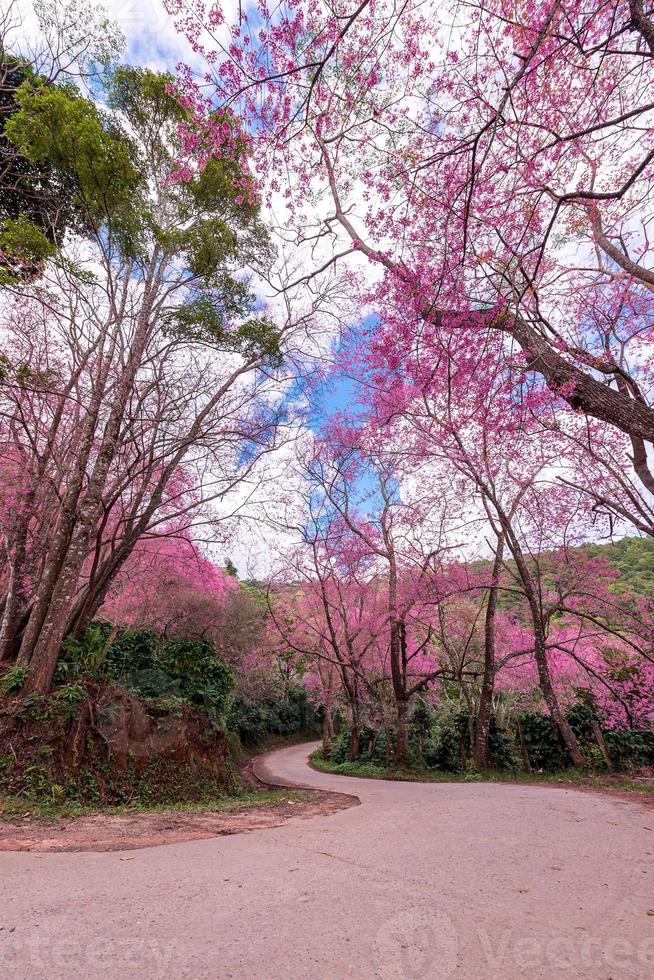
[127,831]
[123,831]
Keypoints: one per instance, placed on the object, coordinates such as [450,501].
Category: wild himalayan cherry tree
[508,458]
[138,374]
[493,162]
[363,592]
[459,409]
[168,585]
[329,631]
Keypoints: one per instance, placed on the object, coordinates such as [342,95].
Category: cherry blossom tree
[491,162]
[139,380]
[168,585]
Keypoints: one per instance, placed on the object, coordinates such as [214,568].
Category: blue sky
[152,40]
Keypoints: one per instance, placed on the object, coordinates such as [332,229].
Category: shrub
[152,667]
[501,748]
[197,674]
[421,719]
[629,748]
[65,702]
[85,657]
[543,742]
[255,721]
[580,717]
[340,749]
[442,749]
[13,680]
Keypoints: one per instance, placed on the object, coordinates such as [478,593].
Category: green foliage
[85,656]
[444,735]
[207,222]
[54,128]
[48,792]
[167,704]
[77,166]
[447,749]
[198,675]
[442,749]
[340,747]
[207,245]
[346,768]
[23,248]
[421,719]
[570,777]
[147,99]
[144,662]
[65,701]
[543,742]
[256,721]
[59,126]
[634,557]
[13,680]
[212,189]
[581,716]
[502,750]
[208,318]
[44,800]
[259,337]
[630,748]
[35,198]
[373,747]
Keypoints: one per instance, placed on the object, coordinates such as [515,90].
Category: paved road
[435,881]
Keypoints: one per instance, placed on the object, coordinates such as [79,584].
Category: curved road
[475,880]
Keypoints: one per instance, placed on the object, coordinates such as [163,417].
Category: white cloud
[152,40]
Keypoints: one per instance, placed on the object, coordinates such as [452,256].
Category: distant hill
[635,559]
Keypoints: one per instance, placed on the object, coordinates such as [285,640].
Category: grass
[571,777]
[16,808]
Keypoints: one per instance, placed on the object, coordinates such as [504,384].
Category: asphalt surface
[421,880]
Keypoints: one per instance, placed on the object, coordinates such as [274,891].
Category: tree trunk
[540,647]
[523,747]
[65,529]
[554,707]
[327,733]
[40,607]
[603,747]
[46,629]
[389,745]
[373,745]
[485,710]
[355,731]
[46,651]
[10,615]
[402,738]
